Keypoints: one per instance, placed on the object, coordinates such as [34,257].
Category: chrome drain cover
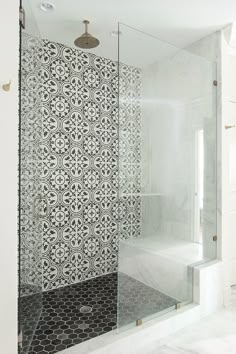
[85,309]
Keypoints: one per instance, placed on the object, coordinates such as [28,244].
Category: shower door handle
[37,206]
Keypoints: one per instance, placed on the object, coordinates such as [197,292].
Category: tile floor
[76,313]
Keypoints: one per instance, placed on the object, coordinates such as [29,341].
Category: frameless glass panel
[167,174]
[32,205]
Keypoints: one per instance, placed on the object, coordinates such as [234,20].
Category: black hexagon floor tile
[79,312]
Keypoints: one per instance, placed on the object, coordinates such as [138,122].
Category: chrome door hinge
[22,17]
[214,238]
[215,83]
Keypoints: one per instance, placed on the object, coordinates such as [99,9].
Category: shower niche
[117,185]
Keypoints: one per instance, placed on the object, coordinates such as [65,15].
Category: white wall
[231,135]
[228,250]
[9,27]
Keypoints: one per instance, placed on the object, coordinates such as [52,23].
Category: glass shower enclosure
[166,181]
[167,174]
[32,205]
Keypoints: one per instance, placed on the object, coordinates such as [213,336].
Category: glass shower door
[32,205]
[167,174]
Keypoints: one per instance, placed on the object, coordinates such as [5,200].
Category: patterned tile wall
[129,160]
[30,166]
[80,172]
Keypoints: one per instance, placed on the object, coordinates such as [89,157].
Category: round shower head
[86,40]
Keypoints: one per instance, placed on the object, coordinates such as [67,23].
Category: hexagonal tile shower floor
[76,313]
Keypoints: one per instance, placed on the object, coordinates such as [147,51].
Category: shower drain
[85,309]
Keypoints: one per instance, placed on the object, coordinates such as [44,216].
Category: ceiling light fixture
[47,6]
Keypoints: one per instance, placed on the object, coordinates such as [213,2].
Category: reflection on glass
[199,182]
[30,250]
[167,173]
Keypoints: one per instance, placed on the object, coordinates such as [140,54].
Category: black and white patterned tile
[30,167]
[91,181]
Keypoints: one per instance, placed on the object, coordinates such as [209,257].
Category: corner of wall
[9,39]
[208,290]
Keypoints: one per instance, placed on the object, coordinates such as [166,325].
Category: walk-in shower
[117,184]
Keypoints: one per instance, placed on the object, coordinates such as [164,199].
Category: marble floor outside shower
[215,334]
[79,312]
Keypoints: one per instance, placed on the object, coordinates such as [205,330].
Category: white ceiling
[180,22]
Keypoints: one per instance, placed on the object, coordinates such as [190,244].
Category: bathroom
[125,149]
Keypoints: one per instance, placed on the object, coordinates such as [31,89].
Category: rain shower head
[86,40]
